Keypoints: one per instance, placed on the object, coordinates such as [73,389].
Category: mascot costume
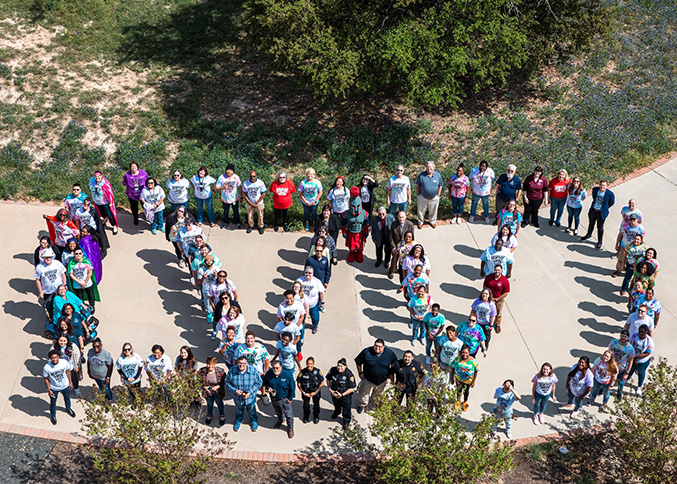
[357,227]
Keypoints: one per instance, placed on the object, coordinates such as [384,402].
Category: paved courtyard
[563,304]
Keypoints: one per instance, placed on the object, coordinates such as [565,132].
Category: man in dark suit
[397,230]
[602,200]
[380,234]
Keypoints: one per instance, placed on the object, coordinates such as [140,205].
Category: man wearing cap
[49,275]
[229,185]
[429,185]
[626,236]
[535,191]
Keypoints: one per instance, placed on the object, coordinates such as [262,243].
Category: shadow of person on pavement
[602,289]
[25,256]
[380,300]
[472,252]
[460,290]
[600,327]
[378,283]
[161,265]
[588,268]
[297,257]
[602,311]
[388,335]
[469,272]
[596,339]
[589,250]
[33,313]
[23,286]
[290,273]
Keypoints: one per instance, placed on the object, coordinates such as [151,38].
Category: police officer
[310,381]
[341,386]
[408,372]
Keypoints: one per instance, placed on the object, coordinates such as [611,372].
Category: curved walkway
[563,304]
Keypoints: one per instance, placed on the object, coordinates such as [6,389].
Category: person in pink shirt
[557,190]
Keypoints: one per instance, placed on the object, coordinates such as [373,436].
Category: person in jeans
[310,382]
[482,178]
[100,367]
[605,371]
[458,191]
[429,185]
[534,194]
[153,198]
[229,185]
[399,191]
[643,345]
[508,187]
[630,255]
[373,368]
[558,191]
[202,184]
[579,384]
[103,198]
[244,381]
[314,291]
[575,196]
[280,383]
[213,388]
[602,200]
[310,190]
[418,306]
[543,389]
[254,191]
[57,375]
[177,190]
[505,398]
[134,181]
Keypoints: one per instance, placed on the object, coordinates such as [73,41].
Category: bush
[418,444]
[157,438]
[647,427]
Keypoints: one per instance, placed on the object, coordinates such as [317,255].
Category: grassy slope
[166,82]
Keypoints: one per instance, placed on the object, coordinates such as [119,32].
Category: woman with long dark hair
[173,225]
[213,389]
[71,353]
[331,221]
[579,383]
[134,181]
[202,183]
[130,367]
[186,362]
[44,245]
[575,196]
[416,257]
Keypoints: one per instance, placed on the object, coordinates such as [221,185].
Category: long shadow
[380,300]
[169,276]
[293,256]
[303,243]
[595,338]
[388,335]
[377,283]
[588,250]
[126,223]
[588,268]
[382,316]
[602,311]
[23,286]
[473,252]
[290,273]
[599,327]
[33,313]
[467,271]
[602,289]
[460,290]
[283,284]
[27,257]
[554,233]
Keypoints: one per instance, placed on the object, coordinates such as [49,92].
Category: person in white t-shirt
[229,185]
[637,319]
[57,375]
[449,350]
[297,309]
[153,199]
[314,293]
[287,325]
[49,275]
[177,190]
[399,192]
[158,366]
[202,183]
[187,235]
[254,190]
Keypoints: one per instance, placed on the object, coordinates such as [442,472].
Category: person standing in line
[534,194]
[398,229]
[449,349]
[542,390]
[429,185]
[603,199]
[280,384]
[510,217]
[367,186]
[313,289]
[244,381]
[202,183]
[254,191]
[575,196]
[605,370]
[418,306]
[496,255]
[153,199]
[558,191]
[310,382]
[458,191]
[473,336]
[638,319]
[508,187]
[624,353]
[134,181]
[341,383]
[464,370]
[130,367]
[74,201]
[338,196]
[57,376]
[158,365]
[643,345]
[320,264]
[373,367]
[61,229]
[407,373]
[413,281]
[484,309]
[380,234]
[213,389]
[505,396]
[631,209]
[399,191]
[100,367]
[282,189]
[482,180]
[653,306]
[103,198]
[626,236]
[629,256]
[433,322]
[229,185]
[579,383]
[310,190]
[49,275]
[177,190]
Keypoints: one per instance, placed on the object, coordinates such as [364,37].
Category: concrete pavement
[563,304]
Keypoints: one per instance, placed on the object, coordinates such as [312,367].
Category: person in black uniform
[408,373]
[310,381]
[341,386]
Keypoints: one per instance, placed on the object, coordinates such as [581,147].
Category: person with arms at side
[407,373]
[398,229]
[653,306]
[575,196]
[631,209]
[202,184]
[482,178]
[254,191]
[130,367]
[213,381]
[310,191]
[74,201]
[357,227]
[496,255]
[153,198]
[458,191]
[534,194]
[373,367]
[473,336]
[579,383]
[341,383]
[279,382]
[380,235]
[177,190]
[100,367]
[331,222]
[87,218]
[49,275]
[57,376]
[413,281]
[429,185]
[418,306]
[509,216]
[310,382]
[643,345]
[433,322]
[542,390]
[449,349]
[174,223]
[602,200]
[558,192]
[484,309]
[103,198]
[244,381]
[134,181]
[624,353]
[255,353]
[626,237]
[70,352]
[629,256]
[282,189]
[508,187]
[229,185]
[640,318]
[399,191]
[464,370]
[313,289]
[604,370]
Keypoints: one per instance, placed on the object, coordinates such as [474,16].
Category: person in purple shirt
[134,181]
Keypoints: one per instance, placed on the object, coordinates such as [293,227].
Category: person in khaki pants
[374,369]
[254,190]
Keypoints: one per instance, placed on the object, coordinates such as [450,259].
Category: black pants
[281,215]
[410,393]
[595,217]
[316,405]
[134,206]
[383,253]
[235,207]
[487,333]
[531,211]
[343,406]
[87,290]
[177,250]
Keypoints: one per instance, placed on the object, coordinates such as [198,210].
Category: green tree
[647,427]
[430,444]
[432,52]
[152,436]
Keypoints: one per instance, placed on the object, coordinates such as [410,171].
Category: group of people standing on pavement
[77,235]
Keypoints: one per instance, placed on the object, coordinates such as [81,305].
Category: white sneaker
[574,414]
[427,360]
[540,418]
[638,392]
[487,220]
[471,218]
[535,419]
[458,220]
[413,342]
[181,263]
[508,433]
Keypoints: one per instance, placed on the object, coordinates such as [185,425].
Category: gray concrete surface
[563,304]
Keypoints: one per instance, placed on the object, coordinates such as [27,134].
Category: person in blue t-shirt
[505,397]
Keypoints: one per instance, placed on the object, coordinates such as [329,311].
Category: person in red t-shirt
[557,189]
[282,190]
[499,285]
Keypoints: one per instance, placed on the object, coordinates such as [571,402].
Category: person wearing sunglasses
[202,183]
[399,192]
[103,198]
[153,198]
[100,367]
[254,190]
[177,187]
[74,201]
[282,189]
[130,367]
[173,225]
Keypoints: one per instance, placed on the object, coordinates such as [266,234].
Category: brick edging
[292,457]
